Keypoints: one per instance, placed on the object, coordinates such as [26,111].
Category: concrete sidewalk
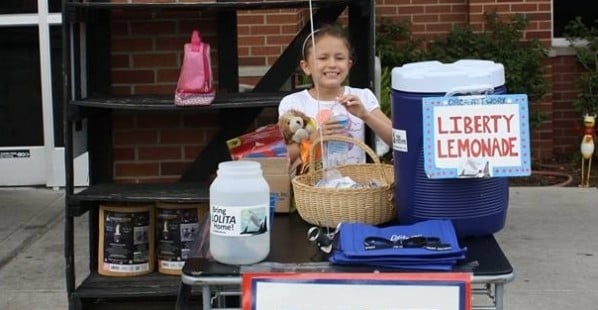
[32,265]
[549,239]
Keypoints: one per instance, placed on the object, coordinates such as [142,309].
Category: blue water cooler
[476,206]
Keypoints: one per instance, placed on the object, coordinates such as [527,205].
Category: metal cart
[292,252]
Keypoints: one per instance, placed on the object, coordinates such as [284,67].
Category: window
[564,11]
[15,7]
[54,6]
[21,108]
[27,6]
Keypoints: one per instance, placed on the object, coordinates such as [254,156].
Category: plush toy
[296,126]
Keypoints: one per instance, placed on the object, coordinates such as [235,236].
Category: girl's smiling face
[330,64]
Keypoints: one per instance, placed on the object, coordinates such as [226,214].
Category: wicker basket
[327,207]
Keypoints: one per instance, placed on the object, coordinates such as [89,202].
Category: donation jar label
[239,221]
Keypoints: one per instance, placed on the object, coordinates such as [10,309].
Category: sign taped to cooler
[476,136]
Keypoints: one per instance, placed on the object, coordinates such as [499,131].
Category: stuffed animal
[296,126]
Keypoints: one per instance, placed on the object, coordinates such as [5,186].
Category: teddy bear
[296,126]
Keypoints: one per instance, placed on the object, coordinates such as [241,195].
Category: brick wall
[146,57]
[558,134]
[567,123]
[263,36]
[146,54]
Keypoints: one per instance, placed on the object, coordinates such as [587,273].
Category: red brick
[124,153]
[280,19]
[427,18]
[246,19]
[252,40]
[452,18]
[535,16]
[155,60]
[411,10]
[120,61]
[132,76]
[524,7]
[173,168]
[243,30]
[265,29]
[182,136]
[439,28]
[159,153]
[437,9]
[291,29]
[119,28]
[191,152]
[157,180]
[207,28]
[279,39]
[135,137]
[265,50]
[201,120]
[168,75]
[135,169]
[171,44]
[165,120]
[252,61]
[165,89]
[153,1]
[538,35]
[123,121]
[131,44]
[421,2]
[152,28]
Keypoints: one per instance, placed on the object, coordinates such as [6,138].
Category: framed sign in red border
[397,291]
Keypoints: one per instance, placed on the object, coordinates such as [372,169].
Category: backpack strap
[195,41]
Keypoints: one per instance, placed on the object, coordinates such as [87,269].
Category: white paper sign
[342,291]
[476,136]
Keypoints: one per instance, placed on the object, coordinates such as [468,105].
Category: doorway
[31,95]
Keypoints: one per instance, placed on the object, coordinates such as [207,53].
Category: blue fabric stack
[426,245]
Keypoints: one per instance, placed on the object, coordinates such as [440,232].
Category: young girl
[328,64]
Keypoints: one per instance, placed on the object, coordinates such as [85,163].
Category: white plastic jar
[239,213]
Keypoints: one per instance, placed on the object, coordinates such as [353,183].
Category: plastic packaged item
[239,214]
[336,151]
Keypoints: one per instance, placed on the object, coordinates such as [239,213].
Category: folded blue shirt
[351,249]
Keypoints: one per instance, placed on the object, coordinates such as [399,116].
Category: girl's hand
[353,105]
[335,127]
[330,127]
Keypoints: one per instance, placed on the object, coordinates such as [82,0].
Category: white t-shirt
[322,110]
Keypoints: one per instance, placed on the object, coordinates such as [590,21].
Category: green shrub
[501,42]
[584,40]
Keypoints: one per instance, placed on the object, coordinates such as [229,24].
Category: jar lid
[437,77]
[239,167]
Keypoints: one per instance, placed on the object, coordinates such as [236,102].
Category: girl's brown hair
[332,30]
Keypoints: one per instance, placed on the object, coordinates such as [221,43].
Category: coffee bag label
[176,231]
[126,242]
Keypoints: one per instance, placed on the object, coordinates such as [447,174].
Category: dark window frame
[564,11]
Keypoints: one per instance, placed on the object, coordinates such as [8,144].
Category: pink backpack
[195,80]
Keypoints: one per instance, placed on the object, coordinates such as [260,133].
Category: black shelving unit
[85,24]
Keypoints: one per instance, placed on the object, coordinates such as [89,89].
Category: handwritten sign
[353,291]
[476,136]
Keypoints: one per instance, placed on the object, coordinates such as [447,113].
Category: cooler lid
[460,76]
